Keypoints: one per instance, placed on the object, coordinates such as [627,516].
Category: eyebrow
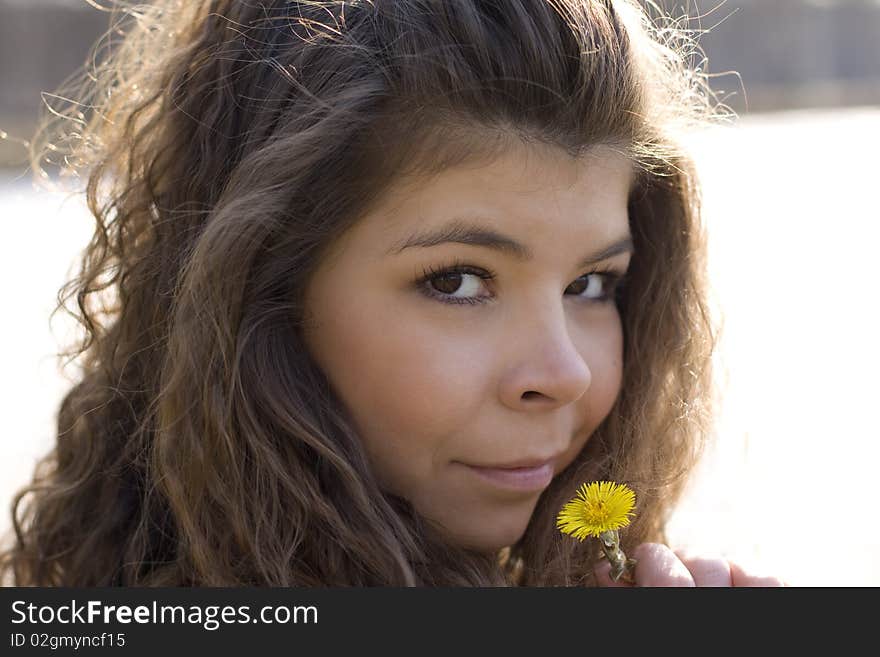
[461,232]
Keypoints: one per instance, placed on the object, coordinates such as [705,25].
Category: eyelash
[614,281]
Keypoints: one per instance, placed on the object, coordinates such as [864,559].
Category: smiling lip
[528,478]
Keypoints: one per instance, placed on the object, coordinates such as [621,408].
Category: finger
[603,575]
[706,570]
[741,577]
[658,565]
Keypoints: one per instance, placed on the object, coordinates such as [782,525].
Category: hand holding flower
[602,508]
[659,565]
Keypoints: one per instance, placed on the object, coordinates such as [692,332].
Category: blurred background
[792,212]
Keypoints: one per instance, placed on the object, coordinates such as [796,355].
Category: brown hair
[228,144]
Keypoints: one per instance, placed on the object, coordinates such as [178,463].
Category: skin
[433,388]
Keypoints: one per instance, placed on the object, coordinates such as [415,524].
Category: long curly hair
[225,145]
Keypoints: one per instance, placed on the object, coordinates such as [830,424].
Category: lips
[522,463]
[532,476]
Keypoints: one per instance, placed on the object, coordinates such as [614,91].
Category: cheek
[603,352]
[406,370]
[406,384]
[608,366]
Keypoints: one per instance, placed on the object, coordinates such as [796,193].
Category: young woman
[375,286]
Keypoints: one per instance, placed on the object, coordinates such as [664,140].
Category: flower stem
[622,567]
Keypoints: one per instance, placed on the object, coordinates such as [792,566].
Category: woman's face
[472,388]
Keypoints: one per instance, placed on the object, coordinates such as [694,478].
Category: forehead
[525,161]
[538,195]
[529,182]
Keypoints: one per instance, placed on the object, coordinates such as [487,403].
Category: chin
[479,540]
[487,529]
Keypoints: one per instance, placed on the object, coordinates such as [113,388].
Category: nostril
[531,393]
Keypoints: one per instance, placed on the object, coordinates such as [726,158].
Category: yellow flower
[599,507]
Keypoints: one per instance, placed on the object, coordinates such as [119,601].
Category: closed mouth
[526,478]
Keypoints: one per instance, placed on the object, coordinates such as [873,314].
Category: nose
[548,369]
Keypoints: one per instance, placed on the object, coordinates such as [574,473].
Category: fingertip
[708,569]
[603,575]
[744,578]
[659,566]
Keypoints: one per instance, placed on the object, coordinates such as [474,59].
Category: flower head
[599,507]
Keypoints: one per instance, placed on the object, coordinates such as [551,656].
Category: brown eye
[456,285]
[596,286]
[447,283]
[461,285]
